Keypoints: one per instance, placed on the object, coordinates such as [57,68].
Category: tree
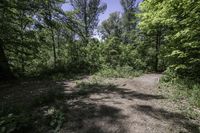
[16,32]
[51,16]
[182,17]
[129,20]
[88,12]
[152,27]
[5,71]
[175,24]
[112,26]
[129,16]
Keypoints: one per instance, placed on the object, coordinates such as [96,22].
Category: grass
[183,91]
[118,72]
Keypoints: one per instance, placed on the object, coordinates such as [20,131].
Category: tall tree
[182,17]
[5,71]
[112,27]
[51,16]
[177,24]
[16,34]
[129,19]
[4,66]
[152,27]
[88,12]
[129,16]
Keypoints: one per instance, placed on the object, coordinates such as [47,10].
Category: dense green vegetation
[41,36]
[40,39]
[174,25]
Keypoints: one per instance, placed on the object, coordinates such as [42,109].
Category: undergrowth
[184,91]
[42,114]
[119,72]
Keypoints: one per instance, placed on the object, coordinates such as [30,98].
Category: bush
[81,58]
[183,88]
[14,123]
[118,72]
[95,56]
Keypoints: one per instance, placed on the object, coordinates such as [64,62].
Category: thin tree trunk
[22,49]
[5,72]
[58,44]
[86,22]
[52,33]
[54,47]
[157,50]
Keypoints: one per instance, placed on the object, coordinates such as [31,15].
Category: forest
[58,66]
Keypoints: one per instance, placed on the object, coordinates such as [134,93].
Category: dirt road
[123,106]
[99,105]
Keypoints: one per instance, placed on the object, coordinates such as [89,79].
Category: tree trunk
[54,48]
[5,72]
[157,50]
[86,22]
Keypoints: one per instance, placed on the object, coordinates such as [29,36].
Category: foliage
[112,27]
[88,12]
[183,89]
[41,114]
[184,45]
[14,123]
[56,118]
[119,72]
[176,23]
[18,39]
[129,20]
[96,55]
[40,39]
[49,40]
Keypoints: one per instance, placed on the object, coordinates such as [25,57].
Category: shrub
[14,123]
[182,88]
[118,72]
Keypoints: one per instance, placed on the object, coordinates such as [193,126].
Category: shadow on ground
[163,115]
[76,112]
[84,90]
[86,117]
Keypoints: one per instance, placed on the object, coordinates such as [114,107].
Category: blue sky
[112,6]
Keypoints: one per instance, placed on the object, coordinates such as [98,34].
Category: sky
[112,6]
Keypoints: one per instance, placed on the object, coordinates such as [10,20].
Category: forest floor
[114,105]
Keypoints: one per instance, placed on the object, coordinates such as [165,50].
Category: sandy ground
[133,106]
